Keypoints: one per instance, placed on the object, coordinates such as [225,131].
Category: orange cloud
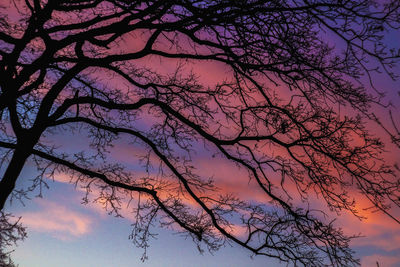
[377,230]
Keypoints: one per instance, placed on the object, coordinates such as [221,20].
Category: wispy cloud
[60,221]
[384,261]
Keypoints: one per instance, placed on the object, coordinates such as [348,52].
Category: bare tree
[291,113]
[11,231]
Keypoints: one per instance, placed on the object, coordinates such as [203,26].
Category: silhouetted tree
[10,233]
[291,111]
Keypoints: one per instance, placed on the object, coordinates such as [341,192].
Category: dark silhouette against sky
[251,123]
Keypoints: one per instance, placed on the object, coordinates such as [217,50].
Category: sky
[64,232]
[102,242]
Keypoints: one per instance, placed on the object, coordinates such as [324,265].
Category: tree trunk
[14,168]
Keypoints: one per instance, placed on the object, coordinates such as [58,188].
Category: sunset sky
[62,231]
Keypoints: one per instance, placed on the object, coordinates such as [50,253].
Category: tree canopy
[290,113]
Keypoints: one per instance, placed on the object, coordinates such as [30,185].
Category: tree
[10,233]
[292,113]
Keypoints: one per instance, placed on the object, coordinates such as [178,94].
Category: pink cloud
[378,229]
[58,220]
[383,261]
